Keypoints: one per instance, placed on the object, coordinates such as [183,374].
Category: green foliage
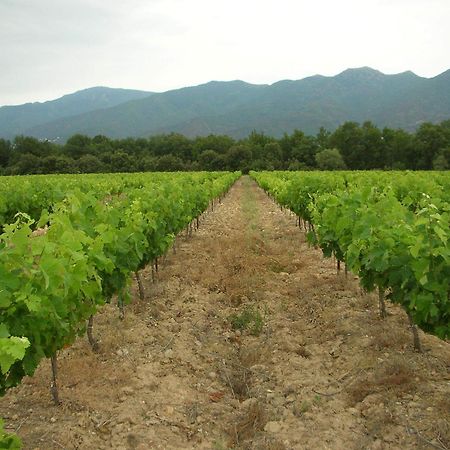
[392,229]
[57,272]
[8,441]
[249,319]
[5,152]
[12,349]
[330,159]
[351,145]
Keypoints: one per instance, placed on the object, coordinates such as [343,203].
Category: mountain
[17,119]
[236,108]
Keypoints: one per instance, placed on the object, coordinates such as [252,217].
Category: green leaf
[3,331]
[11,349]
[8,441]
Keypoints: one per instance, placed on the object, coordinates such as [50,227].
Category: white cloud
[52,47]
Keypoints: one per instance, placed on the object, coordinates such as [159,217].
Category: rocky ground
[247,339]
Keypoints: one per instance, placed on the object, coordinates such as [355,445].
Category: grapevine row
[396,241]
[31,194]
[55,274]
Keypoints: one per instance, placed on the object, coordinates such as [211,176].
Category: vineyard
[71,250]
[392,230]
[237,334]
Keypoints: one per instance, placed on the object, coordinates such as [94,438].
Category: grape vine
[396,240]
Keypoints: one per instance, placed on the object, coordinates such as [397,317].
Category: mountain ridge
[15,119]
[236,107]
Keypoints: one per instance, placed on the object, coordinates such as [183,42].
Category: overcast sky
[49,48]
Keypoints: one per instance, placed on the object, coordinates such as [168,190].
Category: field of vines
[70,244]
[391,229]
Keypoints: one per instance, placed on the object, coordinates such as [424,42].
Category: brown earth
[248,339]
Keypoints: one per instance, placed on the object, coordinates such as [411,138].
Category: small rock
[290,389]
[378,444]
[272,427]
[142,446]
[15,417]
[81,423]
[290,399]
[258,368]
[52,419]
[249,402]
[175,328]
[128,390]
[127,419]
[153,421]
[168,353]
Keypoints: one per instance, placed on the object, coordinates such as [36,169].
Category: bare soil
[247,339]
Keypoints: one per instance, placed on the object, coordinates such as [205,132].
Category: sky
[49,48]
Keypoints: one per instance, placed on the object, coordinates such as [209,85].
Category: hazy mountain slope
[403,100]
[16,119]
[145,116]
[235,108]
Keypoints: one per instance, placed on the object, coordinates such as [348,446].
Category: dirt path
[248,339]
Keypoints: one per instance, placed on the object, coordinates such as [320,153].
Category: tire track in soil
[323,373]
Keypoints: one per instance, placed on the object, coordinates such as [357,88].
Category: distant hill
[16,120]
[236,108]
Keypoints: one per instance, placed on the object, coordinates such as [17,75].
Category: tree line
[351,146]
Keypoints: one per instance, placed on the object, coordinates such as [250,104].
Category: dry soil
[247,339]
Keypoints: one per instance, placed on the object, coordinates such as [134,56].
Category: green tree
[90,164]
[99,144]
[174,143]
[330,159]
[31,145]
[374,148]
[210,160]
[27,163]
[322,139]
[5,152]
[57,164]
[268,157]
[299,147]
[442,159]
[169,163]
[219,143]
[400,152]
[77,146]
[239,157]
[430,140]
[122,162]
[348,139]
